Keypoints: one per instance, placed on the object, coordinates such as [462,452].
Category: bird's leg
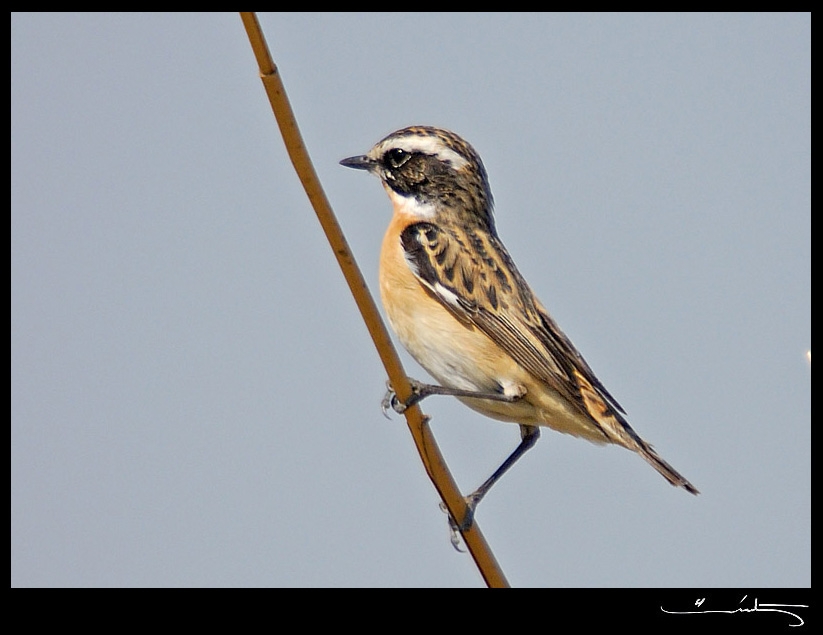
[420,391]
[528,437]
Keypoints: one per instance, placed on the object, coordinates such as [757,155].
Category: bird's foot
[455,528]
[390,400]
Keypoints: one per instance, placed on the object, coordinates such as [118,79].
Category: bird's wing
[471,274]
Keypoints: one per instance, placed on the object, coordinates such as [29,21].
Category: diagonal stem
[426,445]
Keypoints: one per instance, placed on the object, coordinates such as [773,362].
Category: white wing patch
[447,295]
[412,264]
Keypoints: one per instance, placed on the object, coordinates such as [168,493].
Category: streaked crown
[435,167]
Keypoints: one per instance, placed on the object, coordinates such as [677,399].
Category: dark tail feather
[669,473]
[616,429]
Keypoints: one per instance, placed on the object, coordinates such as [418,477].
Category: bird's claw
[390,400]
[456,528]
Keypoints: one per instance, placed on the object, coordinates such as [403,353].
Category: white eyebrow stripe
[427,145]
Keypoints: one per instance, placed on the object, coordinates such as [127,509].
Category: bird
[458,304]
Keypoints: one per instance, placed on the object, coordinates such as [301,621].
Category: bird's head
[434,171]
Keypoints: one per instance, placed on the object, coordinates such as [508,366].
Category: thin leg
[420,391]
[528,437]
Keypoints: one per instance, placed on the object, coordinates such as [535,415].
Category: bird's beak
[360,162]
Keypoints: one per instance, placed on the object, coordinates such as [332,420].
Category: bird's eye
[397,157]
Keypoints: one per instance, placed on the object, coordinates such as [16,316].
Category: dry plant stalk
[427,447]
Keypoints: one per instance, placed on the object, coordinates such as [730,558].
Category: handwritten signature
[757,607]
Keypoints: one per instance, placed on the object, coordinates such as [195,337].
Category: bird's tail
[605,412]
[669,473]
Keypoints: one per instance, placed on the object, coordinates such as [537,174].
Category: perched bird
[458,304]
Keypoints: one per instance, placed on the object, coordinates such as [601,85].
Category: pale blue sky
[195,400]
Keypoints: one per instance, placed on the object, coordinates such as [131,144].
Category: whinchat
[458,304]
